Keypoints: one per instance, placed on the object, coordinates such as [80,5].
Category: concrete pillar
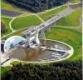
[42,35]
[49,29]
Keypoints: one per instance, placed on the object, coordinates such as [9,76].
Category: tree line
[37,5]
[51,71]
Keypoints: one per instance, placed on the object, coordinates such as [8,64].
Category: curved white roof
[12,42]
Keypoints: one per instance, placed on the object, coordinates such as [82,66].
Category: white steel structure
[12,42]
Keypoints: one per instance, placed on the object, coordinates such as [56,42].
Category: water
[42,52]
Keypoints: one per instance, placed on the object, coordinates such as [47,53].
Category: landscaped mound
[37,5]
[25,21]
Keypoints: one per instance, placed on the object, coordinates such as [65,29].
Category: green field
[25,21]
[19,33]
[74,1]
[68,29]
[6,21]
[48,14]
[71,20]
[69,36]
[20,23]
[7,6]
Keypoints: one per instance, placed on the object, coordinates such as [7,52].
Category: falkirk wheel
[30,47]
[30,40]
[33,38]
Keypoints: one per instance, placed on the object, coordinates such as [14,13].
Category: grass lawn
[6,21]
[4,70]
[25,21]
[18,33]
[7,6]
[69,36]
[74,1]
[48,14]
[71,20]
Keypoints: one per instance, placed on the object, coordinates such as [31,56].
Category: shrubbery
[52,71]
[37,5]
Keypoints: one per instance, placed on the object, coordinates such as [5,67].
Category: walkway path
[10,13]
